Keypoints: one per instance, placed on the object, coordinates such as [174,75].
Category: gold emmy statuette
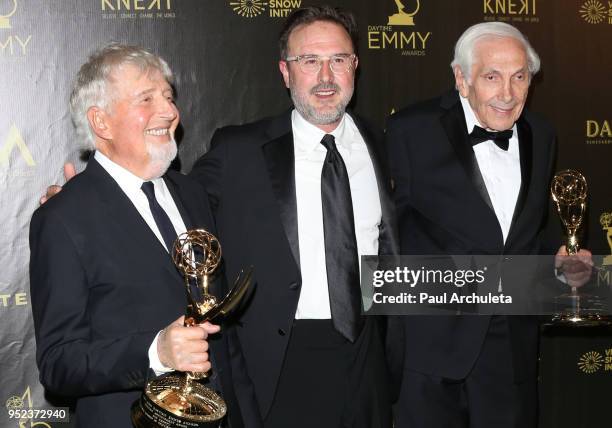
[401,17]
[569,193]
[178,400]
[606,223]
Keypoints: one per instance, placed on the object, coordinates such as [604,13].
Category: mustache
[327,86]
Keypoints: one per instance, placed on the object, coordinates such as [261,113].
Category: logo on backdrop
[400,33]
[5,14]
[401,17]
[510,11]
[15,140]
[15,299]
[604,271]
[598,131]
[270,8]
[24,403]
[137,9]
[594,361]
[590,362]
[11,44]
[595,12]
[8,300]
[606,223]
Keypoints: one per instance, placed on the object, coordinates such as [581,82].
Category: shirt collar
[309,136]
[129,182]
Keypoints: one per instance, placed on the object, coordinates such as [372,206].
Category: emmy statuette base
[166,404]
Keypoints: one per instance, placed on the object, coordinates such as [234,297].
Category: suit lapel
[525,139]
[132,225]
[453,122]
[280,162]
[388,230]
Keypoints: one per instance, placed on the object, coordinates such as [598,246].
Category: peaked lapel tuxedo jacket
[102,286]
[249,175]
[443,208]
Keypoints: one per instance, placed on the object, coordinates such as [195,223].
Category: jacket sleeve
[71,361]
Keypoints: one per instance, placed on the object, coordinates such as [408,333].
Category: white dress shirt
[309,156]
[130,184]
[500,169]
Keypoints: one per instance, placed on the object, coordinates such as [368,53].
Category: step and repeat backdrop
[225,56]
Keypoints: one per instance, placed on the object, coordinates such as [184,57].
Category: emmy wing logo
[11,44]
[6,13]
[401,17]
[394,35]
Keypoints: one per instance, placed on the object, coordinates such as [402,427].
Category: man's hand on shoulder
[577,268]
[54,189]
[185,348]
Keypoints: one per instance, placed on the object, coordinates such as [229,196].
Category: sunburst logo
[14,403]
[249,8]
[590,362]
[593,12]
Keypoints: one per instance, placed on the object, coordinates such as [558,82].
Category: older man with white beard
[106,298]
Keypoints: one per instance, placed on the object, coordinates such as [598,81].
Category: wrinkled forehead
[489,49]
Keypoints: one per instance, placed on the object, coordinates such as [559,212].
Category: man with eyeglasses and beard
[301,196]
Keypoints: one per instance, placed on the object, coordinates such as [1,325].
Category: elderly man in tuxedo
[106,297]
[472,170]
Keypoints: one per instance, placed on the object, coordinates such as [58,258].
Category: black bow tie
[501,138]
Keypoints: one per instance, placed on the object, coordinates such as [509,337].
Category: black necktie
[159,215]
[340,244]
[501,138]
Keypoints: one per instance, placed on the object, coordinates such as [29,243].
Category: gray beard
[311,114]
[160,157]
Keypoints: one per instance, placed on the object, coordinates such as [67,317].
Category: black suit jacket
[249,175]
[443,208]
[102,286]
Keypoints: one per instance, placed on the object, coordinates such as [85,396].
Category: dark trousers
[487,398]
[328,382]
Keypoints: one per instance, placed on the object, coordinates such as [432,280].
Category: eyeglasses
[311,64]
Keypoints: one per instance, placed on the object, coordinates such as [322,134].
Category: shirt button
[281,332]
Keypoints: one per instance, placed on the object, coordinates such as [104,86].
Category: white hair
[464,48]
[90,88]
